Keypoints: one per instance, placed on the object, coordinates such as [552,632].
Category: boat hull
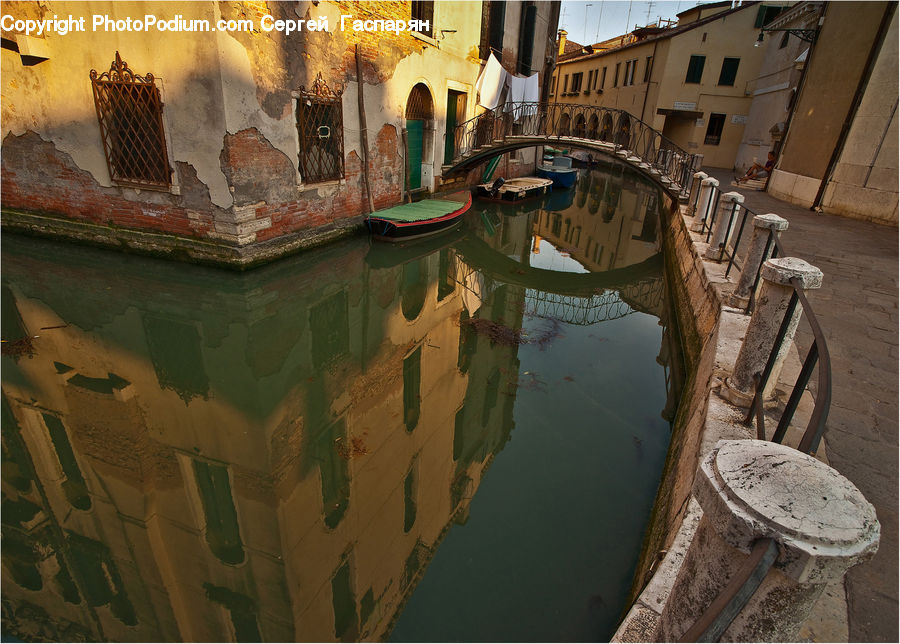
[561,178]
[514,190]
[395,231]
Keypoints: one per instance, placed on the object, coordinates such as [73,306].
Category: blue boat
[560,171]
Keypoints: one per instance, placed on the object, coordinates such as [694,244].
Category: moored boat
[559,171]
[414,220]
[514,189]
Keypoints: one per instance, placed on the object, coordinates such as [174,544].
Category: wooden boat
[414,220]
[559,171]
[514,189]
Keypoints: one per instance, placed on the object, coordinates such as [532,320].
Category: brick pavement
[857,310]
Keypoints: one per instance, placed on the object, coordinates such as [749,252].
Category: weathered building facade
[241,143]
[839,152]
[787,47]
[689,81]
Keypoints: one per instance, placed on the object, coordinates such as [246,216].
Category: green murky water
[453,439]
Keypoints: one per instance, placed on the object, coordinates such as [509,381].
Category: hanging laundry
[516,92]
[490,83]
[532,94]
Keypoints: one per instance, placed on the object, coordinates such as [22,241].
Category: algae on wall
[694,311]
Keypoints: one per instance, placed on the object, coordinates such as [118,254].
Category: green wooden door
[414,135]
[456,113]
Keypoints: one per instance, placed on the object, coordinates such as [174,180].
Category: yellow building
[689,81]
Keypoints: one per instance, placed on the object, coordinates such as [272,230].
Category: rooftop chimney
[562,41]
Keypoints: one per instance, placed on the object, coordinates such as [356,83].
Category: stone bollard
[695,190]
[729,207]
[707,188]
[756,254]
[771,306]
[751,490]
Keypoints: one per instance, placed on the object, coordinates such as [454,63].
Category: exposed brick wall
[255,169]
[380,51]
[38,177]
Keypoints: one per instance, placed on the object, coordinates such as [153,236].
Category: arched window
[593,126]
[623,130]
[606,130]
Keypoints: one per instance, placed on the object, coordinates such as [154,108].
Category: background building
[840,150]
[775,89]
[691,81]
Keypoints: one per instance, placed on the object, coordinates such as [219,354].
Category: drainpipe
[362,129]
[649,80]
[854,106]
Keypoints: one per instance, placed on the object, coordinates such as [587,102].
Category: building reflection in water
[197,455]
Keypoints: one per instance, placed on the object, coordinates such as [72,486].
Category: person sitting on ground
[757,171]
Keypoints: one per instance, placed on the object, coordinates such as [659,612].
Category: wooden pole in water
[405,193]
[362,129]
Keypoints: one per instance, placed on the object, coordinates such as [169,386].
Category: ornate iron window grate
[129,111]
[320,125]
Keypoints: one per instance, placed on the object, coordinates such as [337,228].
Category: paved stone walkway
[857,309]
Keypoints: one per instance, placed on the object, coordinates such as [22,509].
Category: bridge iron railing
[607,129]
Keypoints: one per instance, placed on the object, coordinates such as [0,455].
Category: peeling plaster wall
[229,116]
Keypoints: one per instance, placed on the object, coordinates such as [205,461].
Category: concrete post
[749,490]
[771,307]
[695,190]
[756,255]
[707,188]
[729,207]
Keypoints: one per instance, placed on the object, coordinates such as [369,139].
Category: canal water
[457,439]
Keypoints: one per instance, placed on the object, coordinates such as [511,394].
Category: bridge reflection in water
[197,455]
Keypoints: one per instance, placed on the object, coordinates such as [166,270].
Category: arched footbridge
[611,132]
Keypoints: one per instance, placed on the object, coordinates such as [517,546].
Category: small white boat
[514,189]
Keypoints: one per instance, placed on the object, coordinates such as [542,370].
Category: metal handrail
[725,607]
[613,128]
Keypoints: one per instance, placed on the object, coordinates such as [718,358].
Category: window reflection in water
[197,455]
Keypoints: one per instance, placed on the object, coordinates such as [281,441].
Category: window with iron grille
[129,111]
[320,125]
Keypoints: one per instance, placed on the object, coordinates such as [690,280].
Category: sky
[590,21]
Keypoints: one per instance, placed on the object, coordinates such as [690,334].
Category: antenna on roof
[599,23]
